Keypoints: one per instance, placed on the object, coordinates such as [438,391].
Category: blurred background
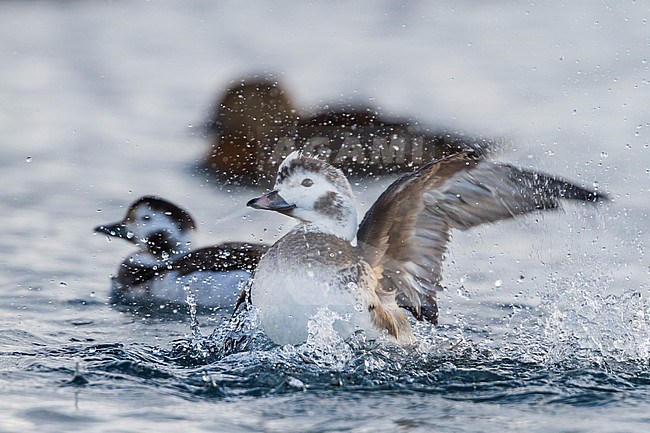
[105,101]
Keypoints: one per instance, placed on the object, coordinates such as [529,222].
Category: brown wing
[404,234]
[221,258]
[131,273]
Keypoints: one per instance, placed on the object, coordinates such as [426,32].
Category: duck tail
[388,316]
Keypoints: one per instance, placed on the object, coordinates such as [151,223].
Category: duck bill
[271,201]
[117,230]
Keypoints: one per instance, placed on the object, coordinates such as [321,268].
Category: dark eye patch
[307,182]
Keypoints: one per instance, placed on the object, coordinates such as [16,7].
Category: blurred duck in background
[164,270]
[255,125]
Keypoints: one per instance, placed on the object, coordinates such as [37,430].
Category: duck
[371,277]
[255,125]
[165,270]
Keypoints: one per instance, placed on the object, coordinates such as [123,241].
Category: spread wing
[404,234]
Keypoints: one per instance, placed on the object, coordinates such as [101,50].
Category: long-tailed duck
[255,126]
[164,268]
[397,261]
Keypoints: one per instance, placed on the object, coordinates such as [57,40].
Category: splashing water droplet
[463,293]
[324,345]
[295,383]
[195,329]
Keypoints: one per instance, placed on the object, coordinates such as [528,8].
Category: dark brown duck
[255,126]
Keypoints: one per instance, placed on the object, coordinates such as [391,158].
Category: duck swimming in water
[255,125]
[396,263]
[165,270]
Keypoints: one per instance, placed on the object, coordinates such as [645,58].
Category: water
[544,321]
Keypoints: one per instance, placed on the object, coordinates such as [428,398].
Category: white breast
[210,289]
[289,291]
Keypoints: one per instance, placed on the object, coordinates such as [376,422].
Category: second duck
[162,272]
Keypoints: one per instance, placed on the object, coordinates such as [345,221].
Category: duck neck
[165,247]
[344,228]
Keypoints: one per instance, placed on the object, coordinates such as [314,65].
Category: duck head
[313,192]
[157,226]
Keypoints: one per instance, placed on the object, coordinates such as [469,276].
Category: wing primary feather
[405,233]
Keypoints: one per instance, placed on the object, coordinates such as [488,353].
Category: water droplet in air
[28,159]
[63,284]
[498,283]
[292,382]
[463,293]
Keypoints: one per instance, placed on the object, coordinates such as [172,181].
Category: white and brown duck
[164,270]
[396,263]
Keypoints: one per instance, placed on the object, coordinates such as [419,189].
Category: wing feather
[404,235]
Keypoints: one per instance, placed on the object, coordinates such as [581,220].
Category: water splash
[580,335]
[587,321]
[324,346]
[584,323]
[78,378]
[242,332]
[196,341]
